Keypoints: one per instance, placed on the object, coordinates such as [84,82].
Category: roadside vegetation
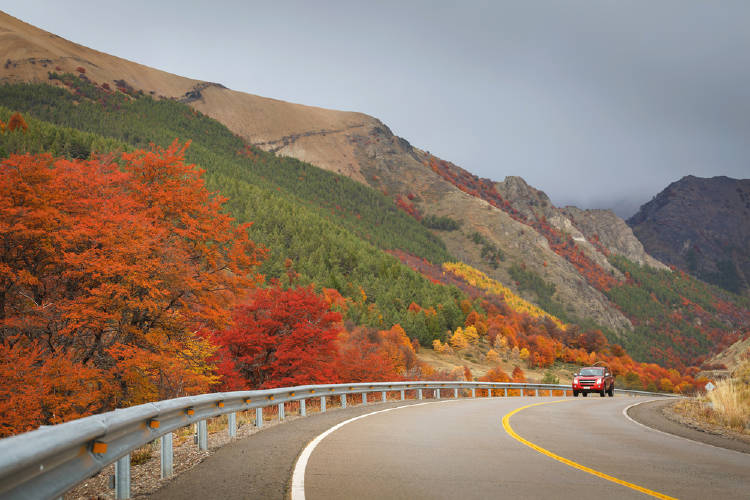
[726,407]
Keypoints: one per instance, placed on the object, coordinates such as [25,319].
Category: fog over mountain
[600,104]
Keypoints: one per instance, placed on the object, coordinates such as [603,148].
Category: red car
[594,379]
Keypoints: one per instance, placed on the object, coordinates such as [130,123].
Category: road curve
[460,450]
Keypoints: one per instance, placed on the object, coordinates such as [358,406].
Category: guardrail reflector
[270,398]
[291,394]
[190,411]
[154,424]
[220,404]
[248,400]
[99,447]
[312,391]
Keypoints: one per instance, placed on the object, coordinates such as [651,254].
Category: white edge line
[625,413]
[298,477]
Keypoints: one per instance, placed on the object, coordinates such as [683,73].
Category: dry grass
[731,403]
[142,455]
[726,407]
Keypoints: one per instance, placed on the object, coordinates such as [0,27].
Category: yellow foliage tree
[471,334]
[477,278]
[438,346]
[458,340]
[515,353]
[500,343]
[493,357]
[524,354]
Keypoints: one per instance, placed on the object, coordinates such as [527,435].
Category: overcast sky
[599,103]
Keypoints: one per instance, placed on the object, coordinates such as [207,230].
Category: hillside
[316,135]
[722,364]
[353,144]
[575,264]
[333,236]
[702,226]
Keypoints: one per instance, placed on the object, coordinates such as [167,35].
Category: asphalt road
[460,449]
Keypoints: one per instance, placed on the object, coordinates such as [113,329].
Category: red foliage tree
[279,338]
[41,389]
[16,122]
[362,357]
[105,262]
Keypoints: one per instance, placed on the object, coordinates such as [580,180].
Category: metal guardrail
[47,462]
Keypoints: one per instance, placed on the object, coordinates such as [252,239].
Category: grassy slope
[289,201]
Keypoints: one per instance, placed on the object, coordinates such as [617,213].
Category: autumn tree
[41,389]
[495,374]
[279,338]
[105,262]
[364,356]
[16,122]
[518,375]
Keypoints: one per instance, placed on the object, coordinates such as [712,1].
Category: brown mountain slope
[702,226]
[364,149]
[311,134]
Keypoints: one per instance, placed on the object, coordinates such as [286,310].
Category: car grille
[586,383]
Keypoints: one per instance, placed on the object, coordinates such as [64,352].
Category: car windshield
[592,371]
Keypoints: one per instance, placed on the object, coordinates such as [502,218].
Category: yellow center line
[575,465]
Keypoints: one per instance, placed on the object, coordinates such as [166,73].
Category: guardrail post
[455,393]
[343,400]
[281,412]
[384,397]
[506,392]
[302,408]
[521,389]
[122,477]
[232,424]
[202,435]
[536,392]
[402,395]
[259,417]
[437,395]
[364,398]
[420,394]
[473,392]
[167,455]
[322,404]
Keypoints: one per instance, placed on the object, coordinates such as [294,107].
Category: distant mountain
[702,226]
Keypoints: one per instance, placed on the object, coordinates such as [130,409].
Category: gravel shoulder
[659,415]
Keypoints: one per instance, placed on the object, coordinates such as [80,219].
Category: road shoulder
[260,465]
[651,414]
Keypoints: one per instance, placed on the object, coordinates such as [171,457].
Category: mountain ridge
[557,257]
